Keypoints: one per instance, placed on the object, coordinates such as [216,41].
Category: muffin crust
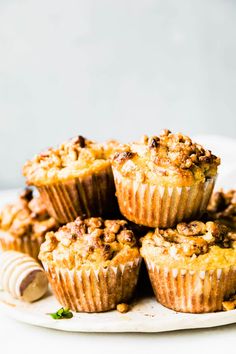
[191,245]
[90,242]
[166,159]
[76,157]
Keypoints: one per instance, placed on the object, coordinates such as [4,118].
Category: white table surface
[21,338]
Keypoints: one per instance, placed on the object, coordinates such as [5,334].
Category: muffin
[222,207]
[192,267]
[24,224]
[163,180]
[92,264]
[75,179]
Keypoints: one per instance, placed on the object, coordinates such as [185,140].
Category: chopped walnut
[93,222]
[230,304]
[96,233]
[216,229]
[80,140]
[70,158]
[122,308]
[91,240]
[126,237]
[167,155]
[165,132]
[109,236]
[27,194]
[112,225]
[191,229]
[123,156]
[192,239]
[107,252]
[153,142]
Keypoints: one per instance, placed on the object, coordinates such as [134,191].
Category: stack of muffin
[92,254]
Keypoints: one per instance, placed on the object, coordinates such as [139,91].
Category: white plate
[146,314]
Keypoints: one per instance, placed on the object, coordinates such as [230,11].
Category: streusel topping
[195,245]
[73,158]
[26,217]
[191,239]
[222,207]
[92,241]
[166,159]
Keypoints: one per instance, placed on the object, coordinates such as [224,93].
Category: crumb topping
[91,241]
[222,207]
[190,239]
[165,157]
[26,217]
[72,158]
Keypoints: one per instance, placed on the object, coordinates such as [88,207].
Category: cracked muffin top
[26,217]
[74,158]
[166,159]
[222,207]
[193,244]
[90,242]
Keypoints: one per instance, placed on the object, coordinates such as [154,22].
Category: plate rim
[152,325]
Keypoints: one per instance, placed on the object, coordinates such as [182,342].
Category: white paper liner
[191,290]
[157,206]
[94,290]
[92,195]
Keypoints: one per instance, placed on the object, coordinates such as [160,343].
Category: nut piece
[123,308]
[27,194]
[112,226]
[192,239]
[194,228]
[229,305]
[153,142]
[122,156]
[92,240]
[80,140]
[109,236]
[126,237]
[165,132]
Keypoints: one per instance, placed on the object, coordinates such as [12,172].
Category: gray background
[115,68]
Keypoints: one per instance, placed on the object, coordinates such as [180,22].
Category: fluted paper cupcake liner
[92,195]
[157,206]
[192,290]
[22,244]
[94,290]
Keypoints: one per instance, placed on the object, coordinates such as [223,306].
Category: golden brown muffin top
[90,242]
[195,246]
[222,207]
[166,159]
[191,239]
[74,158]
[26,217]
